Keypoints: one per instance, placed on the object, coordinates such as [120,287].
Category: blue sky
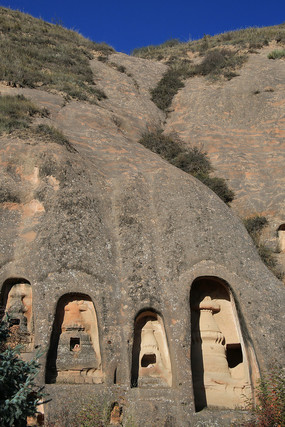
[127,24]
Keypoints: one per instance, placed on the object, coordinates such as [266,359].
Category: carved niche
[220,367]
[74,355]
[19,309]
[151,364]
[281,238]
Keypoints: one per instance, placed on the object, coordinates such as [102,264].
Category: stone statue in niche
[215,383]
[151,361]
[78,353]
[19,310]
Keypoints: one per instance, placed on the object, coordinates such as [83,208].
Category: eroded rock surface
[113,225]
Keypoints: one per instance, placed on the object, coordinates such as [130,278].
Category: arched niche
[281,237]
[220,367]
[16,302]
[74,354]
[151,364]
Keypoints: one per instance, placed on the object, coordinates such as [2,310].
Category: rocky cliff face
[111,238]
[241,124]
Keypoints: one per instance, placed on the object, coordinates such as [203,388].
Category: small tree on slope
[19,395]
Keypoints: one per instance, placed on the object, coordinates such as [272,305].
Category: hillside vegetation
[35,53]
[17,114]
[246,39]
[192,160]
[220,55]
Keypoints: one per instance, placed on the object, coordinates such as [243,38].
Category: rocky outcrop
[241,124]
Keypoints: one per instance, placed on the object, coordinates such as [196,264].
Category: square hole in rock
[148,359]
[14,322]
[74,343]
[234,355]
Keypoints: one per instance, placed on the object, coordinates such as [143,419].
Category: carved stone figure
[19,309]
[78,354]
[219,367]
[151,350]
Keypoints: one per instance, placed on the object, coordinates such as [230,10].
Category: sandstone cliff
[107,222]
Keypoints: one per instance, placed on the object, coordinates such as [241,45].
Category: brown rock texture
[242,126]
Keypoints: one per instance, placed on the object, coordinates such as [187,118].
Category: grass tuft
[51,134]
[254,226]
[277,54]
[37,54]
[16,112]
[246,39]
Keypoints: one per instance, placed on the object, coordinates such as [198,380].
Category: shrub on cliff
[16,112]
[19,395]
[277,54]
[192,160]
[270,395]
[216,62]
[254,226]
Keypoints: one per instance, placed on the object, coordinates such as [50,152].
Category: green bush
[219,61]
[172,81]
[171,43]
[277,54]
[165,145]
[192,160]
[215,63]
[255,225]
[266,254]
[270,395]
[166,89]
[219,186]
[19,395]
[17,112]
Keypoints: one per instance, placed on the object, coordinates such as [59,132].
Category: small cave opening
[148,359]
[234,355]
[74,344]
[116,414]
[13,322]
